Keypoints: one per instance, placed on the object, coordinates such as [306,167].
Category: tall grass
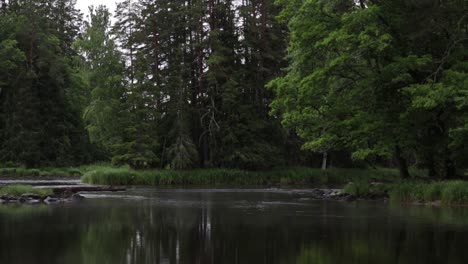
[42,172]
[213,177]
[448,192]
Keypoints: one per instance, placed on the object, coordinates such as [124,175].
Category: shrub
[358,188]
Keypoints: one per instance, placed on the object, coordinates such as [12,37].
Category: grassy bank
[410,192]
[21,172]
[214,177]
[448,192]
[18,190]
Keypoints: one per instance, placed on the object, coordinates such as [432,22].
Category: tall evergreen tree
[40,126]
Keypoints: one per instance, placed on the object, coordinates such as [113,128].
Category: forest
[246,84]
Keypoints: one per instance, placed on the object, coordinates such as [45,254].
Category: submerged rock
[51,200]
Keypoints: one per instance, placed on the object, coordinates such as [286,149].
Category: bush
[362,188]
[358,188]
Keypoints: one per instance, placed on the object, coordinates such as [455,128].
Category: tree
[102,71]
[354,69]
[40,126]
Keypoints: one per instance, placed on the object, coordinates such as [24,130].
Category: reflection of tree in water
[148,234]
[33,234]
[205,232]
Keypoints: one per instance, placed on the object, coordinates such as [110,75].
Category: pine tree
[40,127]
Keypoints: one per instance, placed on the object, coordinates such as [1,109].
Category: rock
[350,198]
[67,194]
[3,201]
[77,197]
[336,193]
[8,197]
[317,193]
[34,202]
[50,200]
[31,196]
[13,200]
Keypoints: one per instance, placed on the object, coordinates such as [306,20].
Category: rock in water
[34,202]
[28,196]
[50,200]
[77,197]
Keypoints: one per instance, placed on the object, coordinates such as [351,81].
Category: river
[258,226]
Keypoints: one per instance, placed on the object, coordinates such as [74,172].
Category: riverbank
[47,192]
[109,175]
[42,173]
[25,194]
[414,192]
[364,184]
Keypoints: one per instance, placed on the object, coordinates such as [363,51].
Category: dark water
[230,226]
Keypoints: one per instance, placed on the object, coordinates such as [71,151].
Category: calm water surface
[230,226]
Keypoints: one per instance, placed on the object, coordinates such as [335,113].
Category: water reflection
[231,227]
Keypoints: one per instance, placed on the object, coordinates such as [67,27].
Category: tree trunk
[430,164]
[325,160]
[450,170]
[401,163]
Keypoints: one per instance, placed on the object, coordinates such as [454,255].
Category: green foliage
[183,153]
[101,70]
[181,84]
[364,188]
[359,188]
[38,124]
[371,77]
[18,190]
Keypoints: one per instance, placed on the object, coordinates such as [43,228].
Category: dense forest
[249,84]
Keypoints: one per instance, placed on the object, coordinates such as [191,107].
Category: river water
[230,226]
